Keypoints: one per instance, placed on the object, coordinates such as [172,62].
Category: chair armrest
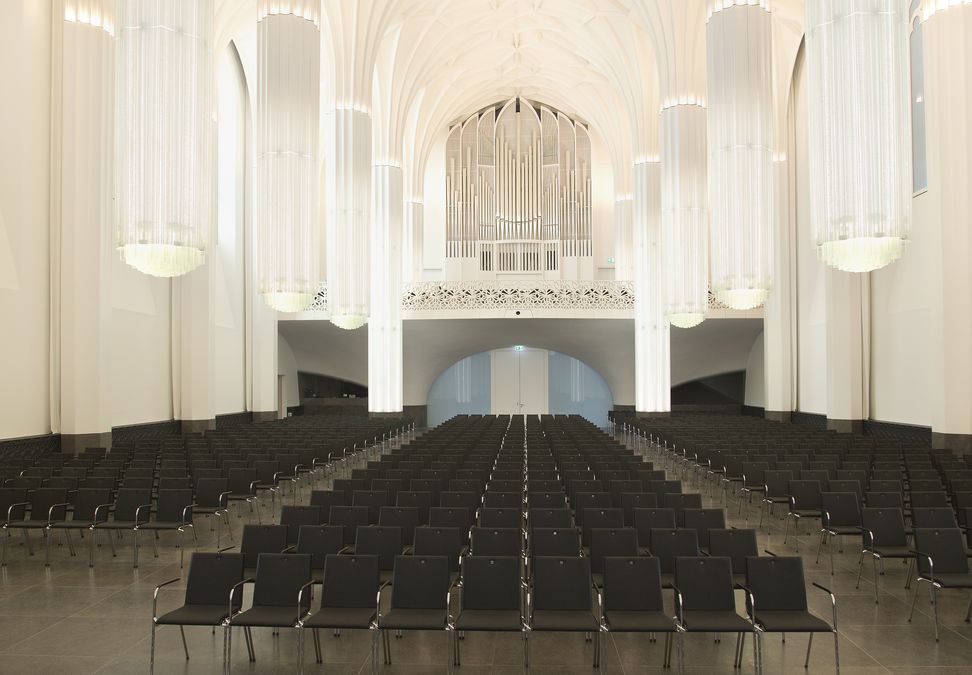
[455,584]
[300,600]
[187,514]
[276,476]
[931,564]
[346,549]
[98,510]
[678,605]
[751,604]
[253,488]
[50,512]
[378,601]
[833,601]
[289,549]
[224,499]
[869,534]
[600,606]
[824,519]
[155,596]
[139,510]
[12,507]
[229,617]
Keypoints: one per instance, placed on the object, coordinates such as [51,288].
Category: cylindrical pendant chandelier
[685,227]
[164,134]
[348,224]
[740,125]
[859,129]
[288,123]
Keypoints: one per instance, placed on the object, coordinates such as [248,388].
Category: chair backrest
[372,499]
[86,502]
[804,494]
[646,520]
[885,525]
[928,499]
[777,583]
[840,509]
[439,541]
[669,544]
[208,491]
[546,499]
[562,584]
[212,576]
[380,540]
[493,517]
[455,499]
[419,500]
[325,499]
[491,582]
[609,542]
[590,500]
[934,517]
[43,499]
[496,541]
[704,520]
[259,539]
[457,517]
[737,545]
[884,500]
[10,496]
[404,517]
[240,480]
[946,549]
[295,516]
[554,542]
[600,518]
[632,584]
[705,584]
[420,582]
[127,501]
[350,518]
[172,505]
[502,500]
[776,482]
[279,577]
[319,541]
[350,581]
[636,500]
[559,517]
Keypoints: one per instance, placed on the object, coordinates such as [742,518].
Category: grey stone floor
[71,619]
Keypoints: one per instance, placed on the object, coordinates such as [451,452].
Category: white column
[652,354]
[385,322]
[81,217]
[412,241]
[779,313]
[623,238]
[194,349]
[948,108]
[848,348]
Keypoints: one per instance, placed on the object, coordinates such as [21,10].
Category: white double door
[519,381]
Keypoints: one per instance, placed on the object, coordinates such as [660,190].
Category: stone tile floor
[73,619]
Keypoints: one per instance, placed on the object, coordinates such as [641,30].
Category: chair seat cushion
[714,622]
[844,530]
[74,524]
[269,617]
[565,620]
[116,525]
[780,621]
[489,619]
[894,551]
[415,619]
[639,622]
[341,617]
[160,526]
[195,615]
[30,524]
[954,580]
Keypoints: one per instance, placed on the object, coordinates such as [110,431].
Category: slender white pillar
[948,108]
[413,242]
[81,232]
[848,350]
[385,322]
[652,353]
[623,238]
[194,349]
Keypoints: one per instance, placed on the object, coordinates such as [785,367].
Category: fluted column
[385,323]
[413,241]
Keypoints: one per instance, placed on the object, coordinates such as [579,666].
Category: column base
[782,416]
[264,415]
[845,426]
[418,413]
[622,407]
[385,415]
[961,444]
[658,413]
[75,444]
[197,426]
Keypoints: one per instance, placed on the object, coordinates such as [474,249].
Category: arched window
[919,163]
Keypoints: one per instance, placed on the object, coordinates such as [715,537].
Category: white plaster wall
[25,80]
[755,375]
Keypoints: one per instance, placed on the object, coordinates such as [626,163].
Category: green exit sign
[611,260]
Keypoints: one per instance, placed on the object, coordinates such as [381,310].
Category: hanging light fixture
[164,134]
[860,151]
[685,228]
[740,126]
[288,120]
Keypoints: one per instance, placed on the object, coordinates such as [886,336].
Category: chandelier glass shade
[164,121]
[859,120]
[288,123]
[740,137]
[685,228]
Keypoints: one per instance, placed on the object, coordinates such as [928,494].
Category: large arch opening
[519,380]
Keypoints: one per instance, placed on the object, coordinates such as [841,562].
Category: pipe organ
[518,194]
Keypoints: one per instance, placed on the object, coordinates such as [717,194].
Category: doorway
[519,381]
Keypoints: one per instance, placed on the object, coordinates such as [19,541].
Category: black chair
[422,501]
[382,541]
[440,541]
[90,506]
[212,500]
[704,520]
[646,520]
[560,600]
[420,597]
[668,545]
[636,500]
[503,500]
[318,541]
[294,517]
[777,601]
[282,595]
[775,491]
[705,602]
[173,513]
[496,541]
[132,507]
[942,563]
[940,517]
[258,539]
[347,601]
[373,500]
[840,516]
[350,518]
[632,600]
[404,517]
[493,517]
[608,543]
[884,537]
[737,545]
[213,594]
[804,503]
[559,517]
[459,518]
[325,499]
[243,484]
[48,506]
[491,598]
